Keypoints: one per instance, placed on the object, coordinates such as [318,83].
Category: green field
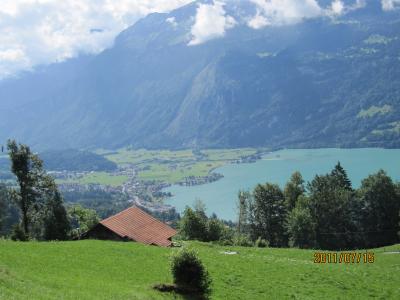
[140,156]
[115,270]
[173,166]
[173,173]
[98,178]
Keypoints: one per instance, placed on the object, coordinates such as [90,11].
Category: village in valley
[142,175]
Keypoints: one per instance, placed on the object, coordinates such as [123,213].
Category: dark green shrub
[189,273]
[261,243]
[215,230]
[226,242]
[18,234]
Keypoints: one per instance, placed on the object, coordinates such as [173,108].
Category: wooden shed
[133,224]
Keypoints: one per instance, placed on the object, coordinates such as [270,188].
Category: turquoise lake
[220,196]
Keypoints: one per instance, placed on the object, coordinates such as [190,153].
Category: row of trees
[326,213]
[196,225]
[35,204]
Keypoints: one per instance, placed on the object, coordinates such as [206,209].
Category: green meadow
[116,270]
[162,165]
[172,173]
[98,178]
[173,166]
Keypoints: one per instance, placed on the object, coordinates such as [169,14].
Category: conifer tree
[340,176]
[56,224]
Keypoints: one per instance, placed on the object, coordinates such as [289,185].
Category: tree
[398,233]
[381,204]
[398,196]
[293,190]
[38,199]
[244,197]
[8,211]
[200,209]
[215,229]
[56,223]
[330,208]
[192,225]
[269,215]
[81,220]
[301,225]
[27,167]
[3,205]
[340,177]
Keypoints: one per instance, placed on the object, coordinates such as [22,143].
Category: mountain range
[326,81]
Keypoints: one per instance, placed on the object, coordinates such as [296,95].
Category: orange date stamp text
[344,257]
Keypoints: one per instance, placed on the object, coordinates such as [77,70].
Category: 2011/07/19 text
[344,257]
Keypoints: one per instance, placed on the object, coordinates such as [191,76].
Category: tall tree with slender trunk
[38,198]
[27,167]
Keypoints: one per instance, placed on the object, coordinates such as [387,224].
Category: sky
[36,32]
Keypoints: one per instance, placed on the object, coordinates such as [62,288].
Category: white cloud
[258,21]
[283,12]
[171,21]
[359,4]
[390,4]
[337,7]
[287,12]
[12,55]
[34,32]
[13,60]
[211,22]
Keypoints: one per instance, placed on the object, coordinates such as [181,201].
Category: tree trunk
[25,220]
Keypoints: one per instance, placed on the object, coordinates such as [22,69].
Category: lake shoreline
[220,196]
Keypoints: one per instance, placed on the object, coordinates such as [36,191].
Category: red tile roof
[137,225]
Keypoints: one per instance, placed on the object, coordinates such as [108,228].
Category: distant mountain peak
[166,83]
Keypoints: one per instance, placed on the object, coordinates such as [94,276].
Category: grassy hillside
[111,270]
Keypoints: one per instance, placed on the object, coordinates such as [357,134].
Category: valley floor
[113,270]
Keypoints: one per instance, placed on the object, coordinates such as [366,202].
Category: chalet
[133,224]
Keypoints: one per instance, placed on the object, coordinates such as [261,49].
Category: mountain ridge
[299,85]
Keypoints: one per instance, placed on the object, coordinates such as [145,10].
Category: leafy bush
[215,230]
[261,243]
[18,234]
[193,226]
[189,273]
[81,219]
[242,240]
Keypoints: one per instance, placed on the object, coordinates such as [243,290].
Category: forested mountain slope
[326,81]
